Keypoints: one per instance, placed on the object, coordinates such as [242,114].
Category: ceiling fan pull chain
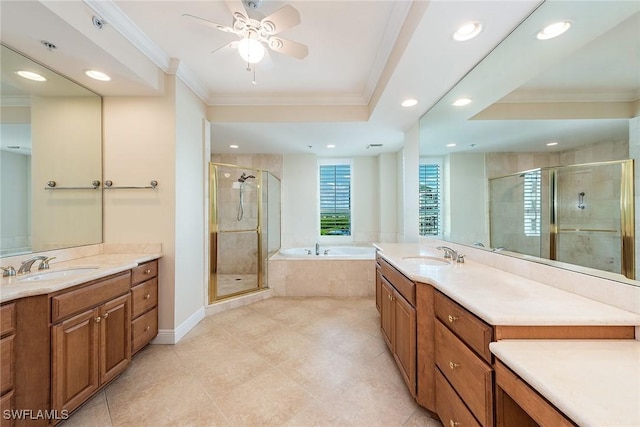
[253,82]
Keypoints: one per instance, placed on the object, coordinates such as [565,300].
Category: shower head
[245,177]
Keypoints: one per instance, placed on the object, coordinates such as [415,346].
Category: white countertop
[502,298]
[12,288]
[593,382]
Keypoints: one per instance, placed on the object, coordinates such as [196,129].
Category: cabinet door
[387,312]
[405,340]
[115,337]
[74,360]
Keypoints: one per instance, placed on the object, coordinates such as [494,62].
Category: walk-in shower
[244,227]
[581,214]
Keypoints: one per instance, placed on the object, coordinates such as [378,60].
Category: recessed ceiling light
[410,102]
[233,146]
[553,30]
[451,145]
[552,143]
[331,146]
[467,31]
[31,76]
[461,102]
[97,75]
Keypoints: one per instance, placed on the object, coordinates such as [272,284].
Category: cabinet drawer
[449,406]
[7,319]
[469,375]
[144,272]
[143,297]
[72,302]
[399,281]
[6,364]
[468,327]
[144,329]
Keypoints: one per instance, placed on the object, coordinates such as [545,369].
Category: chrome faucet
[25,267]
[451,253]
[8,271]
[317,248]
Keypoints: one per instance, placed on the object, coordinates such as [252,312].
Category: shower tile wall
[268,162]
[601,186]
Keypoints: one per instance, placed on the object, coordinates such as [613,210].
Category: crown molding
[579,95]
[115,17]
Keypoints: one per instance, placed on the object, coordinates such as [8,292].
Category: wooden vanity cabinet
[144,300]
[91,344]
[7,360]
[463,359]
[398,320]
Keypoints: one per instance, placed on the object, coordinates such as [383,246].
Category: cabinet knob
[453,423]
[147,271]
[147,296]
[147,328]
[454,365]
[452,318]
[98,319]
[104,316]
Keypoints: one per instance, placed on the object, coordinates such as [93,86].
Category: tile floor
[278,362]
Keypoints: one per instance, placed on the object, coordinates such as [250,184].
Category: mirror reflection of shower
[241,183]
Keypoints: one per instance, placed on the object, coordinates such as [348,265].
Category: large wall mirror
[51,159]
[555,118]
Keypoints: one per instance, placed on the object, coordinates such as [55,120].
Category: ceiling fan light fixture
[467,31]
[251,50]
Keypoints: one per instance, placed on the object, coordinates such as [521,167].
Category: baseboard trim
[173,336]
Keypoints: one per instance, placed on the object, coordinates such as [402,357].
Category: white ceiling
[364,58]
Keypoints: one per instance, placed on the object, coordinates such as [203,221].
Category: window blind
[335,200]
[532,203]
[429,199]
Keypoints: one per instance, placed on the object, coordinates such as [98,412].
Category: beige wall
[140,145]
[190,234]
[387,197]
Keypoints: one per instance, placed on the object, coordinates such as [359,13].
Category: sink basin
[429,261]
[57,274]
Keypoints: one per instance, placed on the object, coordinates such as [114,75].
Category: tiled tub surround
[594,382]
[509,301]
[322,276]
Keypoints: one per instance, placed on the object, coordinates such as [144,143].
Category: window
[429,200]
[335,198]
[532,203]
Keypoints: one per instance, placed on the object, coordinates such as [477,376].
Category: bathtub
[345,271]
[331,252]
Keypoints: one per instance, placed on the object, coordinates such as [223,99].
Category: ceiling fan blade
[288,47]
[280,20]
[232,45]
[237,10]
[212,24]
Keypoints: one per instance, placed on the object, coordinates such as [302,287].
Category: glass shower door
[235,233]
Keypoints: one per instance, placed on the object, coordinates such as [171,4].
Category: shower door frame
[214,231]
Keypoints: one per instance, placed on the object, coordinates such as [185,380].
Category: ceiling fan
[256,34]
